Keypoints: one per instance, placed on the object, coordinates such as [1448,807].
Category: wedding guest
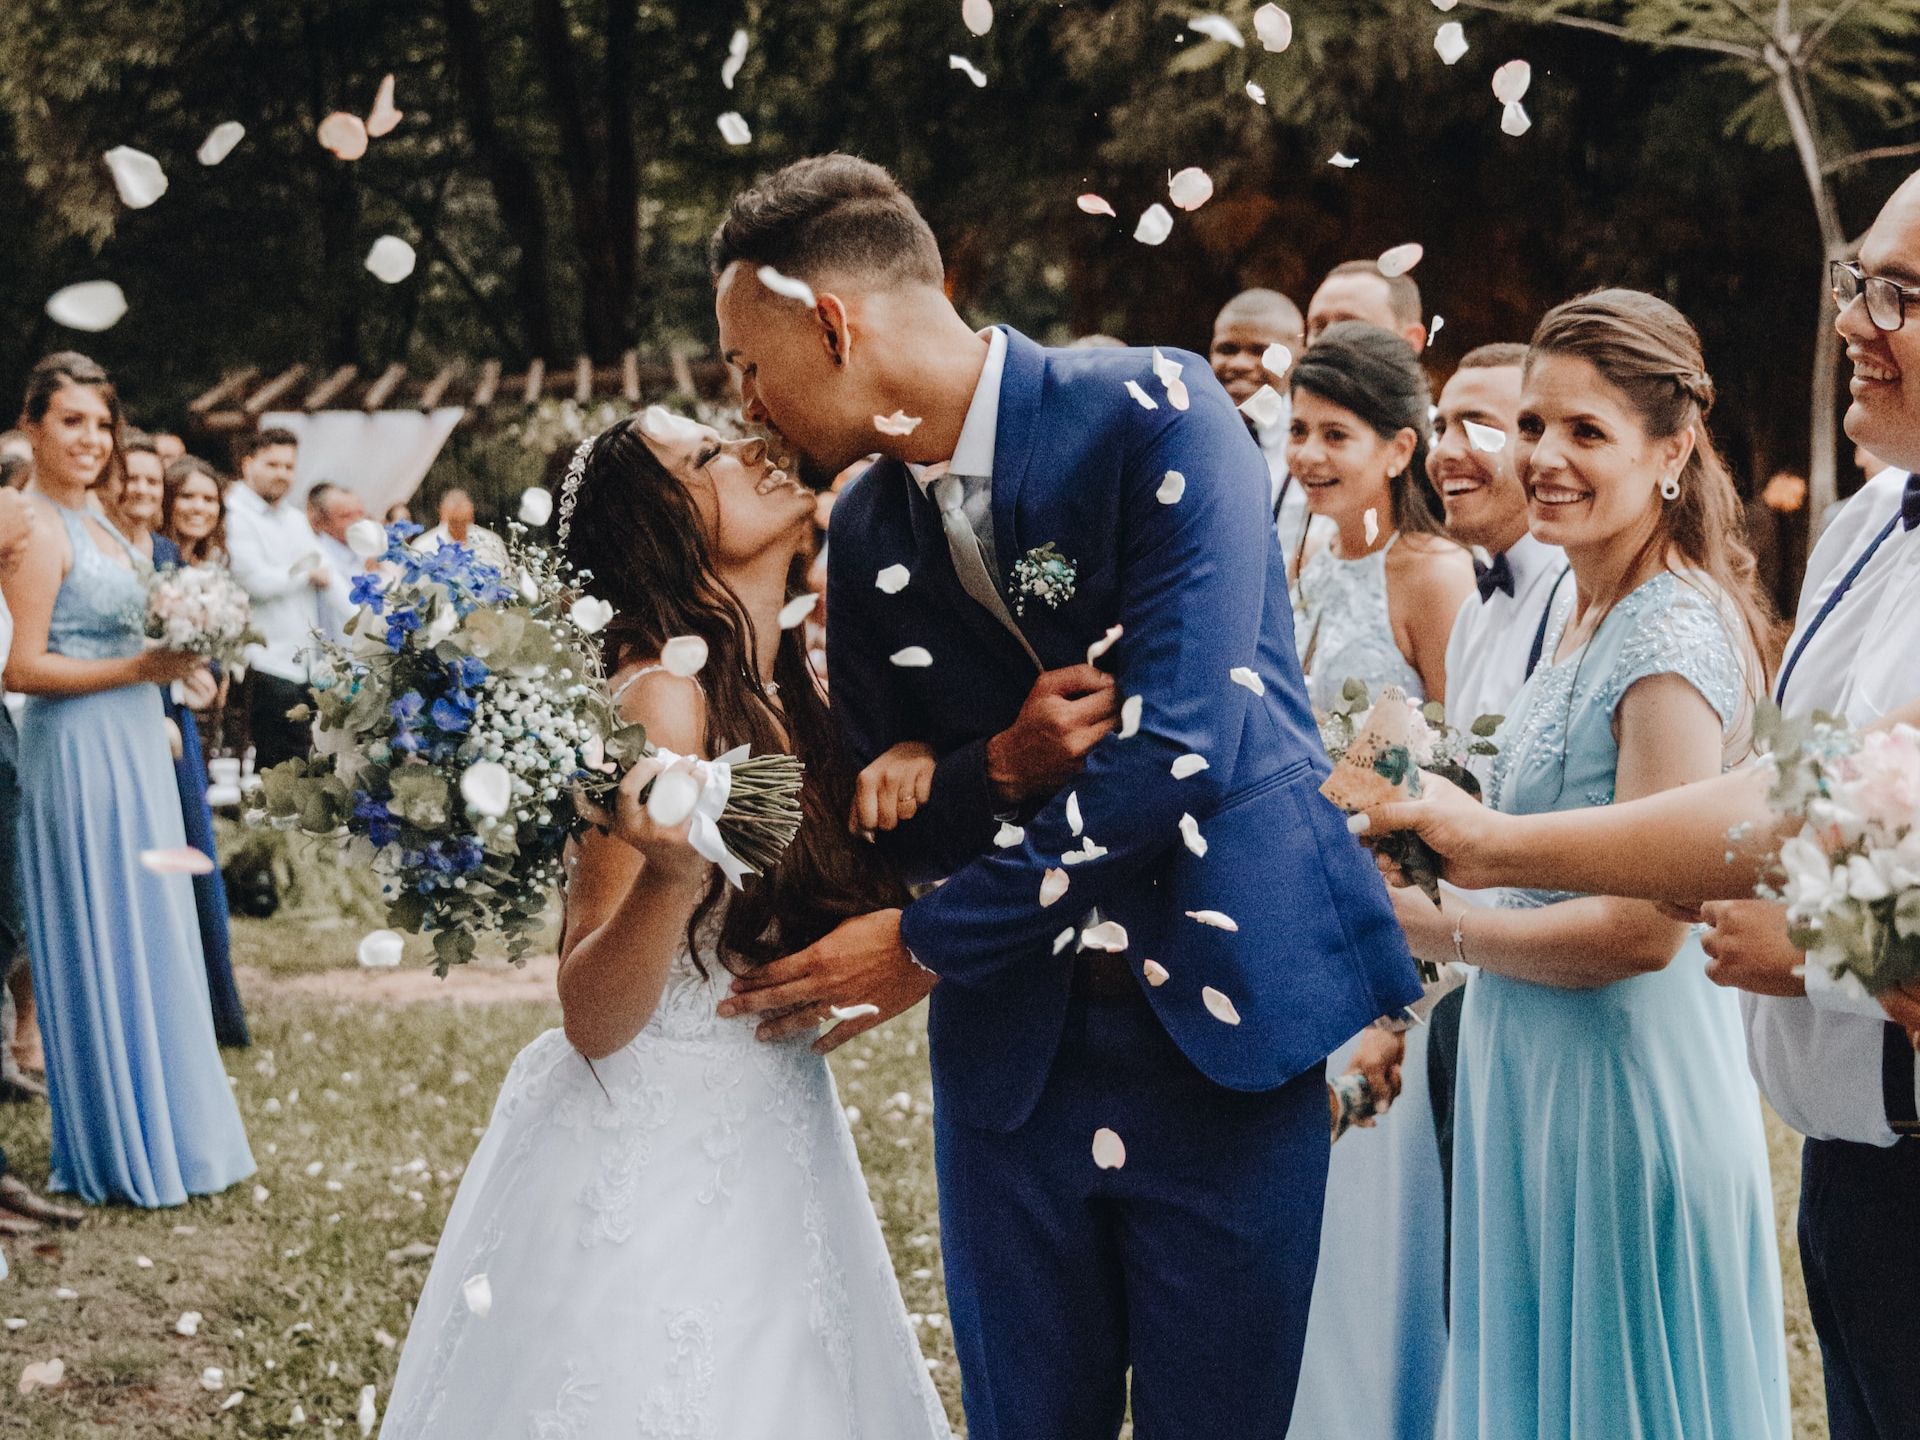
[457,527]
[1244,332]
[397,514]
[1376,604]
[332,510]
[277,559]
[193,514]
[18,530]
[129,496]
[1613,1267]
[1357,290]
[142,1111]
[169,446]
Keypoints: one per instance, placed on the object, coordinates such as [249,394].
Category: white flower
[1865,879]
[487,788]
[1811,888]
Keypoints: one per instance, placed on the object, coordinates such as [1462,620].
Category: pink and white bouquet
[202,610]
[1851,876]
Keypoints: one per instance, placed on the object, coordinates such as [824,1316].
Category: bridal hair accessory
[570,487]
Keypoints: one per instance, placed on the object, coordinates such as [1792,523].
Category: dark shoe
[12,1224]
[19,1087]
[15,1196]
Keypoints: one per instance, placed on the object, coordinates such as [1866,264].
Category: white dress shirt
[487,547]
[272,550]
[349,567]
[973,452]
[1818,1059]
[1492,639]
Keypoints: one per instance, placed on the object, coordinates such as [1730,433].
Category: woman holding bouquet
[665,1225]
[142,1111]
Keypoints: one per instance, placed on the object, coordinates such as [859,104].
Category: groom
[1147,940]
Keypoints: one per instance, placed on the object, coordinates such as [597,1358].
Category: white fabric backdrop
[382,457]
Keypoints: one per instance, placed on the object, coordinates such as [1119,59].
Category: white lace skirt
[681,1248]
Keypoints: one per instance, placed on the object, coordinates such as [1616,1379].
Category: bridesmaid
[142,1111]
[1614,1268]
[137,503]
[1377,605]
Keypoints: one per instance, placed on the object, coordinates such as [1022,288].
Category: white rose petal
[14,1322]
[378,950]
[1511,80]
[64,1293]
[1052,886]
[478,1293]
[1273,27]
[684,655]
[1146,401]
[1214,918]
[1087,850]
[384,117]
[1514,119]
[1218,27]
[213,1378]
[898,423]
[391,259]
[1487,439]
[137,176]
[1265,405]
[672,796]
[892,580]
[967,68]
[1276,360]
[487,787]
[1104,643]
[233,1400]
[1248,679]
[736,57]
[1108,935]
[1256,92]
[1155,972]
[536,506]
[1372,522]
[913,657]
[367,539]
[1172,486]
[1074,821]
[1130,709]
[1190,835]
[795,612]
[1154,225]
[1188,764]
[1064,939]
[368,1415]
[91,305]
[1342,162]
[977,15]
[1093,204]
[733,128]
[852,1012]
[188,1324]
[42,1375]
[184,860]
[1450,41]
[1009,835]
[1168,373]
[343,134]
[1190,188]
[1444,5]
[1434,328]
[1400,259]
[220,142]
[1219,1006]
[1109,1152]
[787,285]
[260,1194]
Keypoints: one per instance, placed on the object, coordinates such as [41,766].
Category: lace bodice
[1342,630]
[100,612]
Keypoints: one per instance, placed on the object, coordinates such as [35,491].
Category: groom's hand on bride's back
[1065,715]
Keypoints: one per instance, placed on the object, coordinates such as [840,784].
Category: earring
[1670,488]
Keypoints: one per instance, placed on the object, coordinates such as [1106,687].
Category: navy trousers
[1191,1264]
[1863,1283]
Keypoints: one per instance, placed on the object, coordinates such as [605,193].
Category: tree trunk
[623,166]
[581,167]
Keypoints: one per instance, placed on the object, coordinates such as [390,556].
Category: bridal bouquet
[456,724]
[1851,876]
[202,610]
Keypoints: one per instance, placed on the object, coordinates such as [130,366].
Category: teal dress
[142,1110]
[1614,1266]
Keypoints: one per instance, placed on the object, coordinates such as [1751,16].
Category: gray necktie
[949,493]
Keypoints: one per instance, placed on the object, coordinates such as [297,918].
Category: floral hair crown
[570,487]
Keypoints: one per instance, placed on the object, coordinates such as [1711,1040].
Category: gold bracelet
[1459,938]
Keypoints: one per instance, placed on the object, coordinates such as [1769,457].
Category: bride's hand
[665,847]
[1464,833]
[893,788]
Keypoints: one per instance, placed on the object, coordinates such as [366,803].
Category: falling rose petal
[1219,1006]
[1276,359]
[1104,643]
[184,860]
[367,1415]
[1064,939]
[892,580]
[1147,402]
[1053,885]
[1172,486]
[1155,972]
[1009,835]
[188,1324]
[487,787]
[1155,224]
[381,949]
[345,135]
[977,15]
[220,142]
[736,57]
[1487,439]
[787,285]
[1265,405]
[1188,764]
[213,1378]
[1214,918]
[1247,678]
[1130,716]
[382,119]
[536,506]
[590,614]
[684,655]
[733,129]
[1443,6]
[478,1293]
[1273,27]
[1087,850]
[92,306]
[1093,204]
[1400,259]
[672,796]
[1109,936]
[1434,328]
[391,259]
[1514,119]
[1168,373]
[1256,93]
[914,657]
[967,68]
[1342,161]
[852,1012]
[42,1375]
[1109,1151]
[1218,27]
[1190,835]
[898,423]
[137,176]
[1450,42]
[367,539]
[1511,80]
[796,610]
[1074,821]
[1190,188]
[1372,521]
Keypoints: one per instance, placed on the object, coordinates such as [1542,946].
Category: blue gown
[1614,1264]
[142,1111]
[209,890]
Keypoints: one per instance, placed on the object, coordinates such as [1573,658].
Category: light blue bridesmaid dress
[1614,1264]
[1376,1332]
[142,1111]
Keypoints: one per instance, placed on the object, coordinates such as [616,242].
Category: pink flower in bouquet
[1884,776]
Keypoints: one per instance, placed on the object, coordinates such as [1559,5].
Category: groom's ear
[836,333]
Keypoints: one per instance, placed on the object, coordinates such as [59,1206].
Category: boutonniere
[1043,573]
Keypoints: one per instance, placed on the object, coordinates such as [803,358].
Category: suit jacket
[1199,586]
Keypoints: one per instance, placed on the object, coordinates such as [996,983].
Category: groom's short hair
[829,214]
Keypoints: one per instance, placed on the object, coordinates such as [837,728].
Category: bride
[664,1231]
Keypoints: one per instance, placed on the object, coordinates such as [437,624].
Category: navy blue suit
[1194,1261]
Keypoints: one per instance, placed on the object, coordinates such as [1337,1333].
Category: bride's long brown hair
[637,532]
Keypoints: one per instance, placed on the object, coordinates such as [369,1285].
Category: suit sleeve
[959,819]
[1192,579]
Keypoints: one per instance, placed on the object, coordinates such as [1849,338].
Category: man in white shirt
[331,509]
[1245,333]
[456,527]
[1357,290]
[277,559]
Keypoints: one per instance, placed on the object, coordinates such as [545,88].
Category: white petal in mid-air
[1155,972]
[913,657]
[1109,1151]
[1009,835]
[1514,119]
[1074,821]
[1273,28]
[391,259]
[733,128]
[1088,850]
[1400,259]
[1108,935]
[1434,328]
[1190,188]
[1218,27]
[898,423]
[487,787]
[1052,886]
[1247,678]
[184,860]
[892,580]
[220,142]
[1450,41]
[1188,764]
[536,506]
[1064,939]
[1256,93]
[384,117]
[1266,405]
[1371,520]
[1092,204]
[1168,372]
[1172,486]
[1219,1006]
[1214,918]
[977,15]
[787,285]
[684,655]
[1155,224]
[852,1012]
[1190,835]
[137,176]
[1130,709]
[368,1415]
[1342,161]
[367,538]
[1487,439]
[967,68]
[1104,643]
[736,57]
[343,134]
[1146,401]
[1276,360]
[1511,80]
[796,610]
[672,796]
[92,306]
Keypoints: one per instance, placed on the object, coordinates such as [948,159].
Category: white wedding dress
[677,1244]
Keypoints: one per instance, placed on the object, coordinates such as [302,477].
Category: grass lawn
[362,1114]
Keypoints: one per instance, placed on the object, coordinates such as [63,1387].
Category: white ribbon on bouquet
[688,785]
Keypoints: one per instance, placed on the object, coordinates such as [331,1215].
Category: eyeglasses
[1886,300]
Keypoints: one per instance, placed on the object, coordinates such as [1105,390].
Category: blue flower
[469,672]
[452,712]
[408,708]
[369,591]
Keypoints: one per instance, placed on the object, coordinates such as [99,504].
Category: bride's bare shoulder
[672,707]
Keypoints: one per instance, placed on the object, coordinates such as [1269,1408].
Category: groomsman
[1244,333]
[1356,290]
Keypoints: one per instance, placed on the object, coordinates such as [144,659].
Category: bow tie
[1499,575]
[1910,504]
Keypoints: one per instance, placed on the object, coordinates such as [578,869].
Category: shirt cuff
[1846,996]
